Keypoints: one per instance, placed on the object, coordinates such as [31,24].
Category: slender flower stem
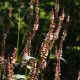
[19,27]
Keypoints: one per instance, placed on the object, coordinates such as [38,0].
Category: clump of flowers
[36,64]
[11,65]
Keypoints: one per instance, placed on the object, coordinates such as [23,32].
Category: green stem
[17,46]
[47,66]
[28,75]
[27,11]
[26,69]
[19,26]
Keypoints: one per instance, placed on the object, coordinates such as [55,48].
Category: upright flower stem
[19,26]
[17,46]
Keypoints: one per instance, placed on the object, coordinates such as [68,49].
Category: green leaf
[28,58]
[18,76]
[29,67]
[53,57]
[63,59]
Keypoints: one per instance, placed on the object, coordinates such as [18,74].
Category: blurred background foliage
[71,47]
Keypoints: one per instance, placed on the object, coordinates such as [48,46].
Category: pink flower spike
[63,15]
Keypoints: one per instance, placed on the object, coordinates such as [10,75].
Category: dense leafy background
[71,47]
